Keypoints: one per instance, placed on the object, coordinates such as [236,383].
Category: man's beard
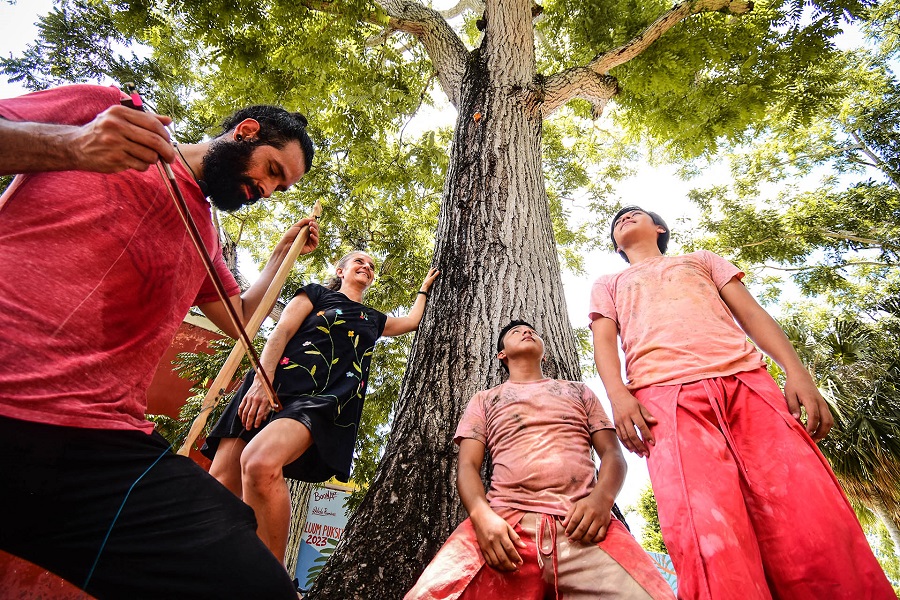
[225,173]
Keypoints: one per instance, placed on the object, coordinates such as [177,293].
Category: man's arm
[628,413]
[496,537]
[119,138]
[588,519]
[245,304]
[799,387]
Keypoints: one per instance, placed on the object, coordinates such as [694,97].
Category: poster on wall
[325,522]
[666,569]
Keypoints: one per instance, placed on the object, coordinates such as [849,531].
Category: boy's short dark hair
[662,240]
[504,331]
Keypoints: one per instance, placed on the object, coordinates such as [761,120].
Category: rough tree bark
[498,261]
[497,255]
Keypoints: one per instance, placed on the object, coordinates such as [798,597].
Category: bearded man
[97,271]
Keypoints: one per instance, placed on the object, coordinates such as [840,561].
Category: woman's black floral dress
[321,382]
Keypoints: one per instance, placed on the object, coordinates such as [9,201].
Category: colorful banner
[325,522]
[666,569]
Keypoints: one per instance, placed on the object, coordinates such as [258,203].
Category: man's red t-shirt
[96,273]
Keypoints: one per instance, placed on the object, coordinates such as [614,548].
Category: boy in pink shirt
[748,506]
[544,526]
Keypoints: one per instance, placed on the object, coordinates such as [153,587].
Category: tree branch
[593,83]
[831,267]
[879,163]
[461,7]
[602,63]
[578,82]
[851,237]
[445,49]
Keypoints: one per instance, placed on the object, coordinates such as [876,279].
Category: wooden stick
[226,374]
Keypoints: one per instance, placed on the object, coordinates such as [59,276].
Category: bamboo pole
[226,374]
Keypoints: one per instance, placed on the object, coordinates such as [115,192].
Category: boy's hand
[498,541]
[629,415]
[588,520]
[801,390]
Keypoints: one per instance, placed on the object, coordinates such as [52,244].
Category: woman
[320,353]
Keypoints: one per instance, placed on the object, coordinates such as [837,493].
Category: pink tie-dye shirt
[674,325]
[538,434]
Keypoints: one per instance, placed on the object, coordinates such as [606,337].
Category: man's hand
[801,390]
[120,138]
[588,519]
[497,540]
[254,407]
[629,416]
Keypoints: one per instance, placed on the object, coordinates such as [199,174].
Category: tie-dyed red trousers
[748,506]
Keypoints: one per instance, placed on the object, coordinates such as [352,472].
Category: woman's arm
[799,387]
[400,325]
[254,406]
[246,304]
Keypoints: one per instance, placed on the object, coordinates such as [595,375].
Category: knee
[258,470]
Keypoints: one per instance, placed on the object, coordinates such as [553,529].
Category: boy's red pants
[748,506]
[616,568]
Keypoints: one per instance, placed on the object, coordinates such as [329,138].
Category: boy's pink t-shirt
[674,325]
[538,435]
[96,273]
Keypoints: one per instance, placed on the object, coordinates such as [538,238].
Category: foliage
[839,233]
[886,553]
[651,537]
[201,368]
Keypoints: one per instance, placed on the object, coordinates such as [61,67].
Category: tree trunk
[300,491]
[497,255]
[880,508]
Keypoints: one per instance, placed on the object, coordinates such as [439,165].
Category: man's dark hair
[277,128]
[662,240]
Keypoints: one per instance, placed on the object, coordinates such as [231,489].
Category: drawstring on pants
[546,546]
[717,401]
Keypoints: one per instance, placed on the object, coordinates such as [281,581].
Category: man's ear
[246,130]
[660,229]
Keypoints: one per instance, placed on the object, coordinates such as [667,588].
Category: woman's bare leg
[280,443]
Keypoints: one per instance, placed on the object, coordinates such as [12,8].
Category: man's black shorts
[180,533]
